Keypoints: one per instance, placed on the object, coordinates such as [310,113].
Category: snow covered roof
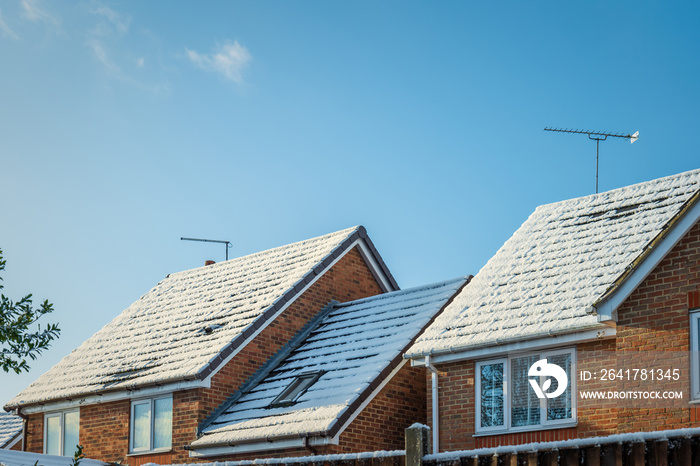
[25,458]
[355,347]
[191,321]
[561,262]
[10,429]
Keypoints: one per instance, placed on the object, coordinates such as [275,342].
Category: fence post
[418,444]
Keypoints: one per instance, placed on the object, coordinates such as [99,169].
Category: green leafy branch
[17,341]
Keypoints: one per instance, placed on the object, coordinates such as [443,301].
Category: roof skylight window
[298,387]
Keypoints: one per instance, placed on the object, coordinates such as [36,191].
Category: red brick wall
[380,426]
[654,317]
[104,428]
[35,433]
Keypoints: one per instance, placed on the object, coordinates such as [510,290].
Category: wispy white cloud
[6,30]
[109,41]
[118,21]
[33,10]
[102,56]
[113,70]
[229,61]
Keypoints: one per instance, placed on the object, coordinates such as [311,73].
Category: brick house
[141,389]
[605,287]
[341,386]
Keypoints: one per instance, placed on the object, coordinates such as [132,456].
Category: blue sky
[126,125]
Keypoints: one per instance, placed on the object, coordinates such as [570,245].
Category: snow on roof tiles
[354,344]
[561,261]
[25,458]
[161,337]
[10,427]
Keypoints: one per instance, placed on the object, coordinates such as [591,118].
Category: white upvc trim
[259,446]
[48,416]
[151,402]
[61,415]
[114,396]
[507,428]
[435,403]
[527,345]
[694,355]
[607,309]
[477,390]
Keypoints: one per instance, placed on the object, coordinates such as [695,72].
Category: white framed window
[506,400]
[61,432]
[694,354]
[151,426]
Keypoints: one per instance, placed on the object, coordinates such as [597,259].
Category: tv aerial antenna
[227,243]
[597,136]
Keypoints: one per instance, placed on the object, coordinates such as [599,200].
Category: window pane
[560,407]
[71,427]
[53,435]
[491,378]
[142,426]
[163,423]
[525,406]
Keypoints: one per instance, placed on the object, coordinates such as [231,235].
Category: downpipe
[436,417]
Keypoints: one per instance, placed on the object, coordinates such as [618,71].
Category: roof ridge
[630,187]
[344,232]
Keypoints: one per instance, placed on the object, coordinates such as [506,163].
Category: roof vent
[209,262]
[209,329]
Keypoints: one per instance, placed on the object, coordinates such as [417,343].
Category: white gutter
[434,397]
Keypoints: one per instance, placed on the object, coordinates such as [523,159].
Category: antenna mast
[597,136]
[227,243]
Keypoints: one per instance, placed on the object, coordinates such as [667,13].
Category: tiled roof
[356,345]
[10,428]
[25,458]
[557,265]
[161,337]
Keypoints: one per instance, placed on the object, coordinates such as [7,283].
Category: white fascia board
[77,401]
[374,266]
[257,446]
[277,314]
[527,345]
[607,309]
[336,439]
